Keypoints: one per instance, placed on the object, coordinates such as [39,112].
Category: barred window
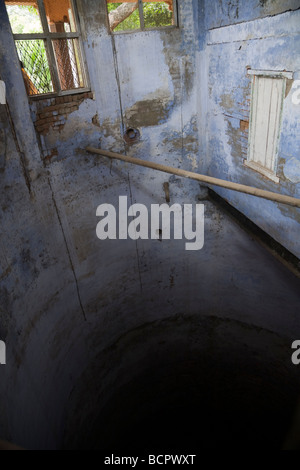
[144,15]
[48,42]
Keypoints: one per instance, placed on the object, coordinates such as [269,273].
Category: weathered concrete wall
[145,80]
[226,12]
[97,330]
[58,282]
[270,43]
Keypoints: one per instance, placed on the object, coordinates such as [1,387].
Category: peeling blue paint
[292,170]
[227,12]
[228,57]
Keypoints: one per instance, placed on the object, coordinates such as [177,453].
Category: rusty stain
[95,120]
[48,158]
[166,187]
[244,125]
[289,84]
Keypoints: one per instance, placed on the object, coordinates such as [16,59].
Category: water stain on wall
[181,66]
[155,109]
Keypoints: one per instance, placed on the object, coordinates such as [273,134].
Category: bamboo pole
[275,197]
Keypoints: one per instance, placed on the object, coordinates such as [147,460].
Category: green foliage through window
[131,23]
[33,58]
[156,15]
[32,54]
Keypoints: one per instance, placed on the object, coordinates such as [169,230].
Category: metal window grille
[52,58]
[35,66]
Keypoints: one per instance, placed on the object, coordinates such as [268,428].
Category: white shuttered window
[268,92]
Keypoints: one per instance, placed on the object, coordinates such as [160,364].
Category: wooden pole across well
[275,197]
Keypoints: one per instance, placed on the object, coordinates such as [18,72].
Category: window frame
[142,21]
[250,162]
[47,36]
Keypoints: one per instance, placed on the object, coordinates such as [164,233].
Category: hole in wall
[132,136]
